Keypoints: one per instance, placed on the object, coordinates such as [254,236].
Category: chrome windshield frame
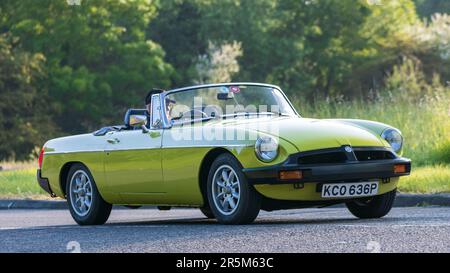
[167,124]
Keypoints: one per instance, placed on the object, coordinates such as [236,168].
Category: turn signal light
[400,168]
[291,175]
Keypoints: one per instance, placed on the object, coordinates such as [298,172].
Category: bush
[442,153]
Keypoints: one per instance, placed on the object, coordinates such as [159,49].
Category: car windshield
[226,101]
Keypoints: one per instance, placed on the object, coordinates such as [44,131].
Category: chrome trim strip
[73,152]
[150,148]
[130,150]
[210,146]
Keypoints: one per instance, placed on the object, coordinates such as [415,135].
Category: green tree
[179,30]
[311,48]
[23,111]
[99,59]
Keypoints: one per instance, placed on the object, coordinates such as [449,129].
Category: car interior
[126,127]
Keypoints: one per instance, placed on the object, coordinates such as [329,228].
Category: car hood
[309,134]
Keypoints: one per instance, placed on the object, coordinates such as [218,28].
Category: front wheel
[375,207]
[231,199]
[85,203]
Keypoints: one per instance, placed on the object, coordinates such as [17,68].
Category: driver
[170,103]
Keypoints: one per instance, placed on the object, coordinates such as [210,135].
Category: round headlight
[394,138]
[266,148]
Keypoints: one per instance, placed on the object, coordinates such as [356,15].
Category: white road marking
[396,225]
[141,223]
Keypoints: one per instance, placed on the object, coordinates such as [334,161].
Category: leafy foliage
[219,64]
[22,110]
[99,60]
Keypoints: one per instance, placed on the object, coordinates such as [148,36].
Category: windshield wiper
[247,114]
[177,122]
[283,115]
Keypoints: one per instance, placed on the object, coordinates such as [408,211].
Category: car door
[133,165]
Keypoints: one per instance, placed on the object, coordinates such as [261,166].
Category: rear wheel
[85,203]
[231,199]
[375,207]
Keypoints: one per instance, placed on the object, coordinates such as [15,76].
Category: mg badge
[348,149]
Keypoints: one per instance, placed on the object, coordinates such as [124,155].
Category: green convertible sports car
[230,150]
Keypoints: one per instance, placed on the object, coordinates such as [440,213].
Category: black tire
[207,212]
[99,210]
[247,208]
[375,207]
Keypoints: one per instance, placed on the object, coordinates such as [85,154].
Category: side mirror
[136,118]
[137,121]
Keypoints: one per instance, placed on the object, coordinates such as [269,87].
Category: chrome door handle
[113,140]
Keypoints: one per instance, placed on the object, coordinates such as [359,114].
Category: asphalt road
[419,229]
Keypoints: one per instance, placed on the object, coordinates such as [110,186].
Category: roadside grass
[20,184]
[428,179]
[17,165]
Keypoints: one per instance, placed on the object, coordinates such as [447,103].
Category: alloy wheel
[81,193]
[226,190]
